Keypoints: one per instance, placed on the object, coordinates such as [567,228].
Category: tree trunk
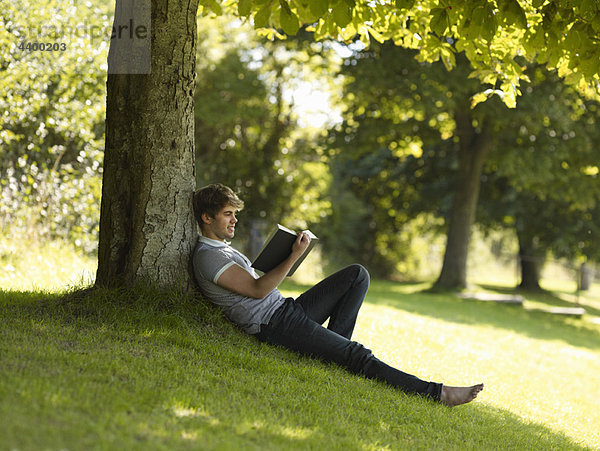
[473,147]
[147,229]
[530,263]
[584,281]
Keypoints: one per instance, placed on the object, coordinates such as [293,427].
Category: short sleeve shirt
[211,259]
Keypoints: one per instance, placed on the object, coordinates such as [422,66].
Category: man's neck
[210,235]
[214,243]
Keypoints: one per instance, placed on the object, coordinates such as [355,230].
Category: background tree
[146,227]
[550,204]
[246,125]
[403,144]
[51,119]
[404,108]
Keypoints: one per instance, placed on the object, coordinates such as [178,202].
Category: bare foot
[454,396]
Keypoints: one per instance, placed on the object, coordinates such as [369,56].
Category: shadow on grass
[449,307]
[548,298]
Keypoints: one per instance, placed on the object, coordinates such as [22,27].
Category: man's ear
[206,218]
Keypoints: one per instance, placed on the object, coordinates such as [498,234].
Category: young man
[254,303]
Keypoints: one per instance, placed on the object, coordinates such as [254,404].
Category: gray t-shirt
[211,259]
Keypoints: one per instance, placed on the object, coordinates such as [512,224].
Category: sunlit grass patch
[535,365]
[27,264]
[540,367]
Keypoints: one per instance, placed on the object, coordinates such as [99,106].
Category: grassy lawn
[141,369]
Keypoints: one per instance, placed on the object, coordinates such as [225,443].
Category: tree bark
[530,262]
[147,228]
[474,146]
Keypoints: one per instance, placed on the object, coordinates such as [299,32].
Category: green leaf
[262,17]
[573,39]
[289,20]
[490,24]
[305,15]
[405,4]
[554,56]
[332,28]
[474,24]
[342,15]
[483,23]
[439,21]
[244,7]
[548,14]
[215,7]
[588,9]
[318,7]
[573,78]
[589,66]
[514,14]
[447,57]
[478,98]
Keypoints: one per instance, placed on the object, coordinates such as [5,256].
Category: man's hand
[300,245]
[237,279]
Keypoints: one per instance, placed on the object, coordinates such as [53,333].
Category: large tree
[403,150]
[147,226]
[147,229]
[403,108]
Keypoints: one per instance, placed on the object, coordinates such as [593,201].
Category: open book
[278,247]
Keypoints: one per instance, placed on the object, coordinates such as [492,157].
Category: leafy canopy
[493,34]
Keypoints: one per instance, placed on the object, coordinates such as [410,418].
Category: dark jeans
[296,325]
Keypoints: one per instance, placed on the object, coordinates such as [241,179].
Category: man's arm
[237,279]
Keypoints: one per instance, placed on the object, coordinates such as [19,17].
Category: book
[278,246]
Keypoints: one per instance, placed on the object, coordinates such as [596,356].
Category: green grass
[145,369]
[26,264]
[139,369]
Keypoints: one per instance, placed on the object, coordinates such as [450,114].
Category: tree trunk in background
[530,262]
[147,227]
[474,146]
[584,281]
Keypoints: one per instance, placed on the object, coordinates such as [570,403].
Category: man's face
[222,226]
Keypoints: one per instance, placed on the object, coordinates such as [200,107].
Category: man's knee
[362,275]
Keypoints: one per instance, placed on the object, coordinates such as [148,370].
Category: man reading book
[226,278]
